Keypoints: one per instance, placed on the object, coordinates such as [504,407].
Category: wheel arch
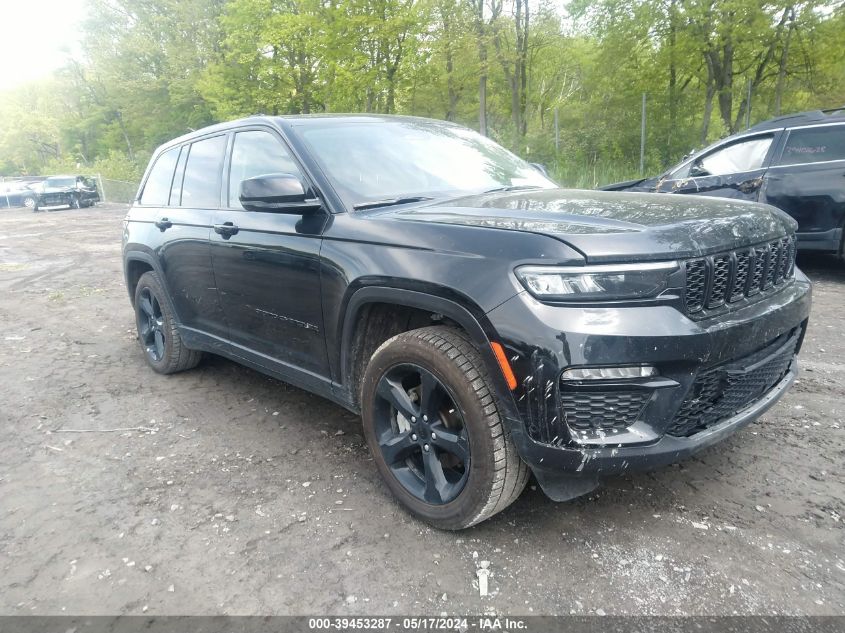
[469,317]
[135,264]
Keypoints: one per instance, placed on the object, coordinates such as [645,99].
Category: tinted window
[738,157]
[201,185]
[257,153]
[157,188]
[814,145]
[60,182]
[176,190]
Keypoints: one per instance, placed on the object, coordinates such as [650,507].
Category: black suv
[795,162]
[485,323]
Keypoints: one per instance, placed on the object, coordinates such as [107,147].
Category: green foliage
[155,69]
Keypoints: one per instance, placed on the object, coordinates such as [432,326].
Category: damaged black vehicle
[795,162]
[485,323]
[75,192]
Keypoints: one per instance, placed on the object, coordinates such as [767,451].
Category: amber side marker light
[505,366]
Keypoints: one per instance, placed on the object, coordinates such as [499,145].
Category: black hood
[611,226]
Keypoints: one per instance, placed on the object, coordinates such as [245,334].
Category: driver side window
[736,158]
[257,153]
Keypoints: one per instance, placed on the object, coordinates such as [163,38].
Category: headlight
[597,283]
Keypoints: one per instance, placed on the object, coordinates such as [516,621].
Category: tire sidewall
[461,511]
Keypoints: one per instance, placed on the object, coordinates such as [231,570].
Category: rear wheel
[157,331]
[433,425]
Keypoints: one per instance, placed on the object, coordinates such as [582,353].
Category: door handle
[227,229]
[163,224]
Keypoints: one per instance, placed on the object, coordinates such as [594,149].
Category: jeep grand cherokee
[485,323]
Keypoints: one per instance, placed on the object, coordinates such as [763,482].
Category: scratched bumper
[681,349]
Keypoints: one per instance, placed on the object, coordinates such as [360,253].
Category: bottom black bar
[451,624]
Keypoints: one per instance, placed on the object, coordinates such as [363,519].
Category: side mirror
[541,168]
[279,193]
[697,171]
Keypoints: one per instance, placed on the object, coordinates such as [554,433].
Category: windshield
[377,160]
[60,182]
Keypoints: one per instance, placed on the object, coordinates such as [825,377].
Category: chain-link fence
[116,190]
[15,191]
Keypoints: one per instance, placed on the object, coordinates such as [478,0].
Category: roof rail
[811,116]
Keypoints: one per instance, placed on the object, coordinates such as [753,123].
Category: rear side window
[201,185]
[157,188]
[257,153]
[814,145]
[176,190]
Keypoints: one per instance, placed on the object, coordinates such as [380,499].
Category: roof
[292,120]
[833,115]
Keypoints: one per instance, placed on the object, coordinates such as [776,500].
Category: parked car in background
[67,191]
[795,162]
[19,193]
[484,322]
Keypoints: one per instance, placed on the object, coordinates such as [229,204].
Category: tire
[30,203]
[492,475]
[158,334]
[75,202]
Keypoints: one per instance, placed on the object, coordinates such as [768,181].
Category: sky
[36,37]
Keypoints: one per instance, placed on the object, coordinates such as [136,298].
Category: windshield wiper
[513,188]
[389,202]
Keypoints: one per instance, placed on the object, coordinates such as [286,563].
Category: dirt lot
[237,494]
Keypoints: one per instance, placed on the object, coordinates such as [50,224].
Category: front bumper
[568,460]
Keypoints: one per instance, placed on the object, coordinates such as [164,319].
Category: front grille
[725,278]
[720,392]
[602,410]
[54,198]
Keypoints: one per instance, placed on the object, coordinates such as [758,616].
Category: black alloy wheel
[151,325]
[421,434]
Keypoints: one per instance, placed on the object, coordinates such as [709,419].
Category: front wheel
[29,203]
[157,331]
[433,426]
[75,202]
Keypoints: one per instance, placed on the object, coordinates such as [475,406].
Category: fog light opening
[608,373]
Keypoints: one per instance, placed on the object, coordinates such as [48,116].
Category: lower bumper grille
[602,410]
[720,392]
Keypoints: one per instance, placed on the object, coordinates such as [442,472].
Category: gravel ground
[222,491]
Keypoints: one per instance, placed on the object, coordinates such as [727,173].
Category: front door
[808,182]
[734,170]
[267,265]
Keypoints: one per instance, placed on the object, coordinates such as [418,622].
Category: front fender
[469,317]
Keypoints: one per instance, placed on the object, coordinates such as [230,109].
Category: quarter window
[201,185]
[736,158]
[157,188]
[814,145]
[257,153]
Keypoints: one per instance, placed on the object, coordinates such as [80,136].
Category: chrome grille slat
[725,278]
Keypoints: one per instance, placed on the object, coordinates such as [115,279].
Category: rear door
[179,199]
[732,170]
[267,264]
[807,180]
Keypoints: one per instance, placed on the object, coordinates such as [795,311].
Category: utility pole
[748,107]
[642,140]
[557,134]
